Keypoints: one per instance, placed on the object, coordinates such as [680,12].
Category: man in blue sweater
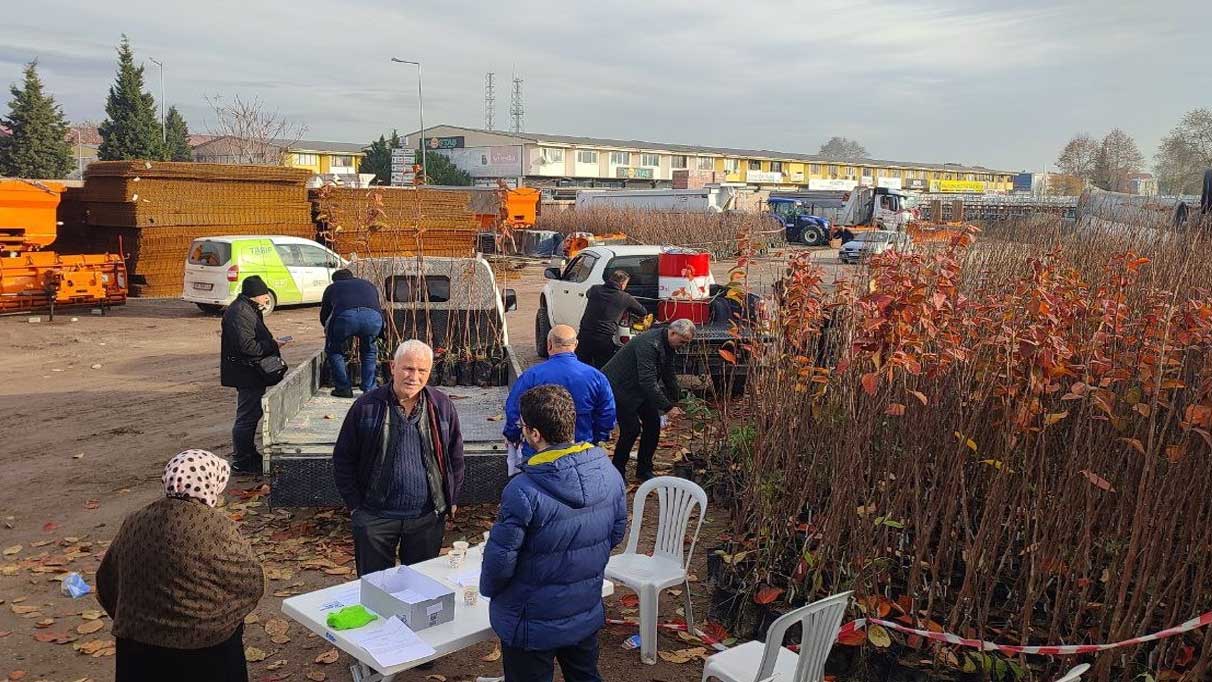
[350,307]
[546,555]
[589,388]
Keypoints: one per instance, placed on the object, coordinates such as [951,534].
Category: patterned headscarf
[197,474]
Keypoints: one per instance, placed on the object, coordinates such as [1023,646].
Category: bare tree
[1078,157]
[1185,153]
[842,148]
[1118,159]
[251,132]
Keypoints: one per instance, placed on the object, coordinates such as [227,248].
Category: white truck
[710,199]
[454,305]
[563,302]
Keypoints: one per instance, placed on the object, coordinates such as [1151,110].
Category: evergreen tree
[131,129]
[37,146]
[178,138]
[442,171]
[378,158]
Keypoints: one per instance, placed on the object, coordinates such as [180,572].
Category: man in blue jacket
[546,555]
[350,307]
[590,391]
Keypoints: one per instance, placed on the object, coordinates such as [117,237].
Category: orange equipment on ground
[31,278]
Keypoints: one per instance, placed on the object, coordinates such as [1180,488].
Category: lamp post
[421,110]
[163,104]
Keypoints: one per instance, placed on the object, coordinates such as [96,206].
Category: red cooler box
[698,312]
[684,274]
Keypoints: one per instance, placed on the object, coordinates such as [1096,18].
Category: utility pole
[490,101]
[163,109]
[516,108]
[421,110]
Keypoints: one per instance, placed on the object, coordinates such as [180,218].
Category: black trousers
[596,351]
[643,422]
[244,430]
[578,662]
[379,541]
[138,662]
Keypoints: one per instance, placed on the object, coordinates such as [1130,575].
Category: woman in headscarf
[179,579]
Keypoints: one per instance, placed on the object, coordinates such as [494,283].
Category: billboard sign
[633,173]
[1024,182]
[764,177]
[918,184]
[402,160]
[455,142]
[487,162]
[958,186]
[890,183]
[832,185]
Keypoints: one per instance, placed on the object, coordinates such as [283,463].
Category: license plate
[203,286]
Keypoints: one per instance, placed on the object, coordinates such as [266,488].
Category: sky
[998,83]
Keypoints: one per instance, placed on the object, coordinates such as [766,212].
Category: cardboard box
[418,600]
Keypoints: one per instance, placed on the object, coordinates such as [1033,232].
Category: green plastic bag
[350,617]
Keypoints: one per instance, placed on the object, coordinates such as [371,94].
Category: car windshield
[873,237]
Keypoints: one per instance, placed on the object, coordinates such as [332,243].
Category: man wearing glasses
[645,387]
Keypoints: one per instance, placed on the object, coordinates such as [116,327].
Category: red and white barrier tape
[949,638]
[1051,650]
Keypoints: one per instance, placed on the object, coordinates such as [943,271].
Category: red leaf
[714,632]
[50,527]
[1136,444]
[895,410]
[728,356]
[630,601]
[920,396]
[871,383]
[767,595]
[1098,481]
[855,637]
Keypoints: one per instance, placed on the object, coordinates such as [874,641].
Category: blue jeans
[364,323]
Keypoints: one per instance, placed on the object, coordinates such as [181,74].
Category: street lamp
[163,104]
[421,109]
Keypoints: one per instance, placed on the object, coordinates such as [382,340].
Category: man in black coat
[644,379]
[604,308]
[246,340]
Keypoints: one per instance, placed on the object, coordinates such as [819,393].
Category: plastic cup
[471,595]
[460,544]
[457,557]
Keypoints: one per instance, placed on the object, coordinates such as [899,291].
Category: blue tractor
[800,219]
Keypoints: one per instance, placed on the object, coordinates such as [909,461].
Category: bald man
[589,388]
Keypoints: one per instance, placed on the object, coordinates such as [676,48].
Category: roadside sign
[402,160]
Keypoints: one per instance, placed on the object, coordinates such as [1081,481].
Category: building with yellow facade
[542,160]
[321,158]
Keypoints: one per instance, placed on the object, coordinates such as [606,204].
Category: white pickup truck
[563,302]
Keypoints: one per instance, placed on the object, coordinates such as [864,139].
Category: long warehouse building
[541,160]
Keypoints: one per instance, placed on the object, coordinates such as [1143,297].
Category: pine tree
[442,171]
[131,129]
[178,138]
[37,146]
[378,158]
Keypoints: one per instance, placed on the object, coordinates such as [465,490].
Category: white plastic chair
[1075,673]
[819,622]
[650,574]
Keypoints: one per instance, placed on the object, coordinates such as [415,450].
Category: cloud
[980,81]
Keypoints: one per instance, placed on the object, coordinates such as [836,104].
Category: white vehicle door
[568,292]
[318,266]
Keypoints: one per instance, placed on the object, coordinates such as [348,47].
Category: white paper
[513,458]
[467,578]
[392,644]
[346,596]
[408,596]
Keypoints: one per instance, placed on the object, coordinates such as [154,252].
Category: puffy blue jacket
[590,391]
[546,555]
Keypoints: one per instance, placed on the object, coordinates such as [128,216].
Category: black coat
[246,339]
[604,307]
[643,372]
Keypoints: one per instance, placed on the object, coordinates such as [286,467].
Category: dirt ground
[95,405]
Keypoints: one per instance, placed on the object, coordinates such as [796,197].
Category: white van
[297,270]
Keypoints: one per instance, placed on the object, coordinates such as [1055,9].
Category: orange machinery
[31,278]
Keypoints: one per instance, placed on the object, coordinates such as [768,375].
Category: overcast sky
[1002,83]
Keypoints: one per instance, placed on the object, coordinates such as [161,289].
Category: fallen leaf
[316,676]
[630,600]
[89,627]
[767,595]
[329,656]
[92,646]
[920,396]
[54,637]
[1053,417]
[45,623]
[277,664]
[682,655]
[871,383]
[92,614]
[436,678]
[496,418]
[50,527]
[21,609]
[878,636]
[9,551]
[494,656]
[687,637]
[16,675]
[895,410]
[276,627]
[5,633]
[92,504]
[339,570]
[854,637]
[281,639]
[1098,481]
[253,654]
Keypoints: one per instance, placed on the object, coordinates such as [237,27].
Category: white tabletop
[470,624]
